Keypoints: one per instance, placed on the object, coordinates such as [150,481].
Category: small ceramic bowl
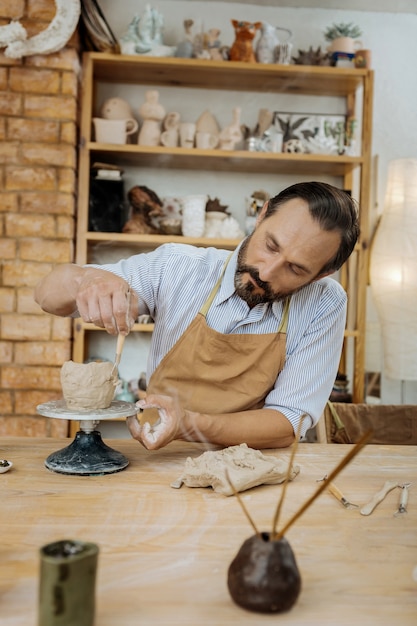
[5,466]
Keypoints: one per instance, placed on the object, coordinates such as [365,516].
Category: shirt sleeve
[312,359]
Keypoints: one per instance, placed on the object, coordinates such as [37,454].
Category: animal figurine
[242,48]
[146,208]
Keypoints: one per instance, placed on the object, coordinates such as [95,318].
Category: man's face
[285,252]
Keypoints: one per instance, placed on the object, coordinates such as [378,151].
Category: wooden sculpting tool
[121,338]
[378,497]
[402,507]
[335,491]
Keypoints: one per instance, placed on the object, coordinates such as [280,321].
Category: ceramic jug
[268,42]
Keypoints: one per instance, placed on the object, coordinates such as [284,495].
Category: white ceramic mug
[206,141]
[187,134]
[113,131]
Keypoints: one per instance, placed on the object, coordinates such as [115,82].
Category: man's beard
[245,290]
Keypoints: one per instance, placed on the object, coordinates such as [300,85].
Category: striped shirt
[174,281]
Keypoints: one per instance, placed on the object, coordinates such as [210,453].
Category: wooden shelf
[146,241]
[228,75]
[222,160]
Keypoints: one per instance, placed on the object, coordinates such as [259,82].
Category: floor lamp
[393,271]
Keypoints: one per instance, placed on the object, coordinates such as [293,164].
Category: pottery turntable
[87,454]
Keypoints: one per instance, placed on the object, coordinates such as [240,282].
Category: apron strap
[206,306]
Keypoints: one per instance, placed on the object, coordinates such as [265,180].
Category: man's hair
[333,208]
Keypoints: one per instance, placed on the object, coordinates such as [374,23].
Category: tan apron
[210,372]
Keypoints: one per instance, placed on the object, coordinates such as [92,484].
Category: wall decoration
[52,39]
[311,132]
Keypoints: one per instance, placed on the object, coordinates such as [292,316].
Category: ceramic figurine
[242,48]
[231,135]
[152,114]
[268,41]
[116,109]
[185,48]
[145,35]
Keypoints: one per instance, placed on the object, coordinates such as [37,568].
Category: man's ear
[261,215]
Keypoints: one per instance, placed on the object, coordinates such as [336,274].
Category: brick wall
[38,138]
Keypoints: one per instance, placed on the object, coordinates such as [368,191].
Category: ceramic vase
[193,215]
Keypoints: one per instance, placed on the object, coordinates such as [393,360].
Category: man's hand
[107,301]
[170,425]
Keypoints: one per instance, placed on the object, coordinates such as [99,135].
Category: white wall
[393,42]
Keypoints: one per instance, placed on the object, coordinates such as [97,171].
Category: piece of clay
[87,386]
[246,467]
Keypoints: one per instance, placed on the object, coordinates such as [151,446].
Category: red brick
[24,225]
[42,352]
[65,228]
[9,152]
[47,202]
[67,181]
[22,129]
[19,327]
[25,426]
[10,103]
[26,302]
[53,252]
[30,178]
[7,299]
[52,107]
[13,9]
[21,377]
[3,79]
[28,80]
[6,403]
[42,10]
[27,401]
[6,352]
[7,248]
[69,84]
[20,274]
[61,328]
[69,133]
[65,59]
[8,202]
[46,154]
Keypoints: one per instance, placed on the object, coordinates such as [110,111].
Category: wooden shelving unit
[354,85]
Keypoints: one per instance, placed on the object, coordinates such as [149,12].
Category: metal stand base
[87,455]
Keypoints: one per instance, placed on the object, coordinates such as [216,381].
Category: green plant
[342,30]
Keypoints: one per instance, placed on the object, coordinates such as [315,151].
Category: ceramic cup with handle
[169,138]
[206,141]
[114,131]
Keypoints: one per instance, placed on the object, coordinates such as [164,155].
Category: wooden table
[164,553]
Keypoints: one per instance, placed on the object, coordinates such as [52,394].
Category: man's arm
[260,428]
[97,295]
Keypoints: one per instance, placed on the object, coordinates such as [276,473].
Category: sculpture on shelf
[185,47]
[52,39]
[145,35]
[152,113]
[242,47]
[146,209]
[231,135]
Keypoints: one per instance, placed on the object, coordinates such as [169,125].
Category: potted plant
[342,37]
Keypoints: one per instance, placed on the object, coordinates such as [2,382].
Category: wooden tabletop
[164,553]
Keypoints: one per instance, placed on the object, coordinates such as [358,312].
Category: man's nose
[270,269]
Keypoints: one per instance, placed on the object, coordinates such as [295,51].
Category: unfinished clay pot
[88,386]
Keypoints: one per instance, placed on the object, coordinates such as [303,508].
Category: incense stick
[239,499]
[287,478]
[362,441]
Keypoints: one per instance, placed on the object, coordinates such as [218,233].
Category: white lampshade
[393,271]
